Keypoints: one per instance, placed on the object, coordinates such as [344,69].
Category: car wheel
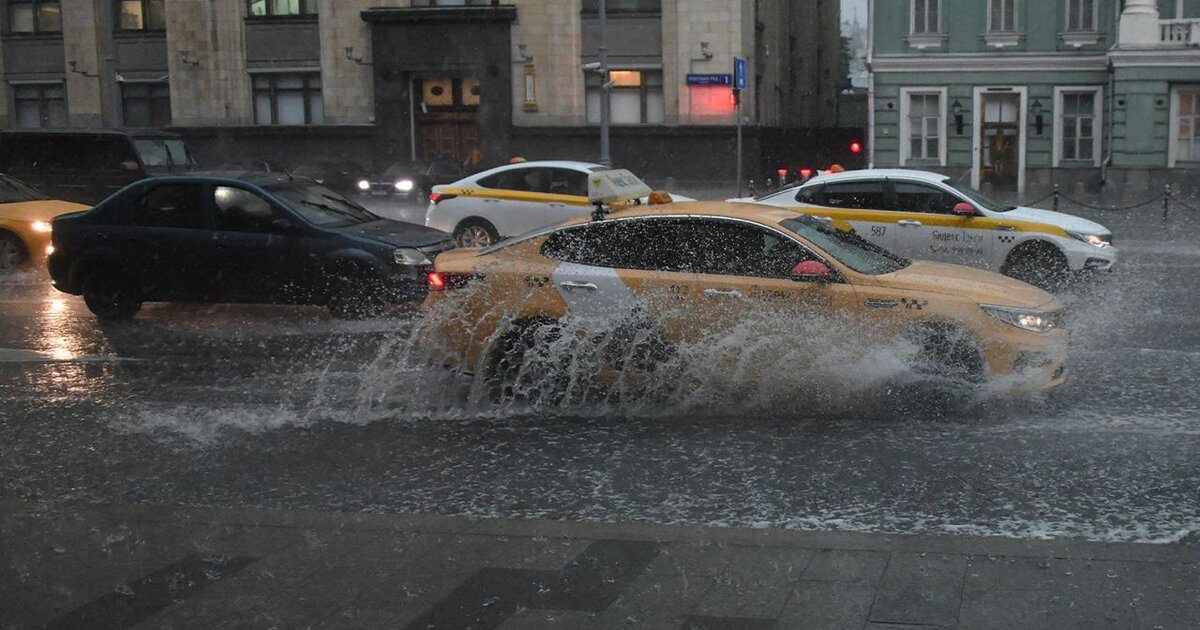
[475,233]
[1039,264]
[947,353]
[514,361]
[112,295]
[12,253]
[359,295]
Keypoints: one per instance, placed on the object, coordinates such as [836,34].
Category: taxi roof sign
[614,186]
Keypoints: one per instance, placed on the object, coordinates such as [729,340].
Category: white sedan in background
[512,199]
[927,216]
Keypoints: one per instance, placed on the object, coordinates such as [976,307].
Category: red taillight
[439,197]
[442,281]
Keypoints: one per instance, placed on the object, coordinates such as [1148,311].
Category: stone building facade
[384,80]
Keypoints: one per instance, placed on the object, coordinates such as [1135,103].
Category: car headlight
[1029,319]
[409,256]
[364,184]
[404,185]
[1097,240]
[41,226]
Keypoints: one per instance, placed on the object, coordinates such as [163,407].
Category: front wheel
[12,253]
[112,295]
[1039,264]
[475,233]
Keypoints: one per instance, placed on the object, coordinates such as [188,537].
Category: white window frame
[906,125]
[912,19]
[1090,28]
[1173,136]
[1014,6]
[1097,120]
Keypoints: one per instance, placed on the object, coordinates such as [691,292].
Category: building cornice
[990,62]
[1157,57]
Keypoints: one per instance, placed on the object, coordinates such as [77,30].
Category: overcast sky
[850,6]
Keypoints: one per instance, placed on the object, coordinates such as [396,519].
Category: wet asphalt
[286,407]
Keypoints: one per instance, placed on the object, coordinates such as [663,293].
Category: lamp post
[605,84]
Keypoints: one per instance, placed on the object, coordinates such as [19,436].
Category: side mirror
[811,271]
[963,209]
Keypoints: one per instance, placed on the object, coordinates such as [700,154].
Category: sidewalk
[93,566]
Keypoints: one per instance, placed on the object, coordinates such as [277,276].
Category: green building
[1022,94]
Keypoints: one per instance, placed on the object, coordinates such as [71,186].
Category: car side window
[567,182]
[714,246]
[856,195]
[519,179]
[619,244]
[813,195]
[241,210]
[912,197]
[171,206]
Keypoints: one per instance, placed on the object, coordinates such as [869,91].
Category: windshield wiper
[335,210]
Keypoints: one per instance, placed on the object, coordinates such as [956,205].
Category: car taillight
[439,197]
[442,281]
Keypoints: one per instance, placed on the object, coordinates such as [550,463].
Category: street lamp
[1037,115]
[605,84]
[956,109]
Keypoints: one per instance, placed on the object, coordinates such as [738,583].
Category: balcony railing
[1179,32]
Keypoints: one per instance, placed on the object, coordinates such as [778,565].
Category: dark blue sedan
[255,238]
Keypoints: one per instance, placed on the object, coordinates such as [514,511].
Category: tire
[359,294]
[1038,263]
[475,233]
[12,253]
[948,353]
[510,355]
[112,295]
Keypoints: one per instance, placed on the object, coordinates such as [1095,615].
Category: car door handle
[908,222]
[555,204]
[571,285]
[723,293]
[1006,228]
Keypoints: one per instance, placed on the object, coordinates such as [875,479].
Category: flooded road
[288,408]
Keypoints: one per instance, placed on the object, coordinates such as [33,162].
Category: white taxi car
[512,199]
[927,216]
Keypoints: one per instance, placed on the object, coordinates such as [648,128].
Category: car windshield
[163,152]
[973,195]
[403,169]
[15,190]
[321,206]
[848,248]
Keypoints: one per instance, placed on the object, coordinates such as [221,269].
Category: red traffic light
[856,147]
[806,172]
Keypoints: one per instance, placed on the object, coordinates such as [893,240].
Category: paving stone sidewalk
[134,566]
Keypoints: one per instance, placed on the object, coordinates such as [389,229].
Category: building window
[1002,16]
[624,6]
[288,99]
[1081,15]
[1186,124]
[922,125]
[636,97]
[40,105]
[146,104]
[925,16]
[1077,120]
[283,8]
[34,16]
[142,15]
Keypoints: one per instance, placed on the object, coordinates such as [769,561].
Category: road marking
[17,355]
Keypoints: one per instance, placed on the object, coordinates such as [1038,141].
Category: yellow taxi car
[25,216]
[686,269]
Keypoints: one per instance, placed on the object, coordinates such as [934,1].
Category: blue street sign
[739,73]
[709,79]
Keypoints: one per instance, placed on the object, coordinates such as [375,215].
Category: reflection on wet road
[277,407]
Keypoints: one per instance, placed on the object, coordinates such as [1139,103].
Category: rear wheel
[12,253]
[1038,263]
[475,233]
[519,367]
[112,295]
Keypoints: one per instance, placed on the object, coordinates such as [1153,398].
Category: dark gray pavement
[146,566]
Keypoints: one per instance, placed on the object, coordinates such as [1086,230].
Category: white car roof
[877,173]
[585,167]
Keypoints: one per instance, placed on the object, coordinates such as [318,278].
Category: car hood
[396,233]
[1063,220]
[43,210]
[983,287]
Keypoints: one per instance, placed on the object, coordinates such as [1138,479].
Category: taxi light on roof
[614,186]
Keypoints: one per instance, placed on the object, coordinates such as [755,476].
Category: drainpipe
[1107,162]
[871,84]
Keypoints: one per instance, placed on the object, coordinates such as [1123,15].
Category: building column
[1139,24]
[85,102]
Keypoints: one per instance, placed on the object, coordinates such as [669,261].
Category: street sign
[709,79]
[739,73]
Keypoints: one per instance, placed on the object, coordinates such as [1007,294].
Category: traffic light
[855,147]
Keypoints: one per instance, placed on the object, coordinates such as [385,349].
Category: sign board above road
[702,80]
